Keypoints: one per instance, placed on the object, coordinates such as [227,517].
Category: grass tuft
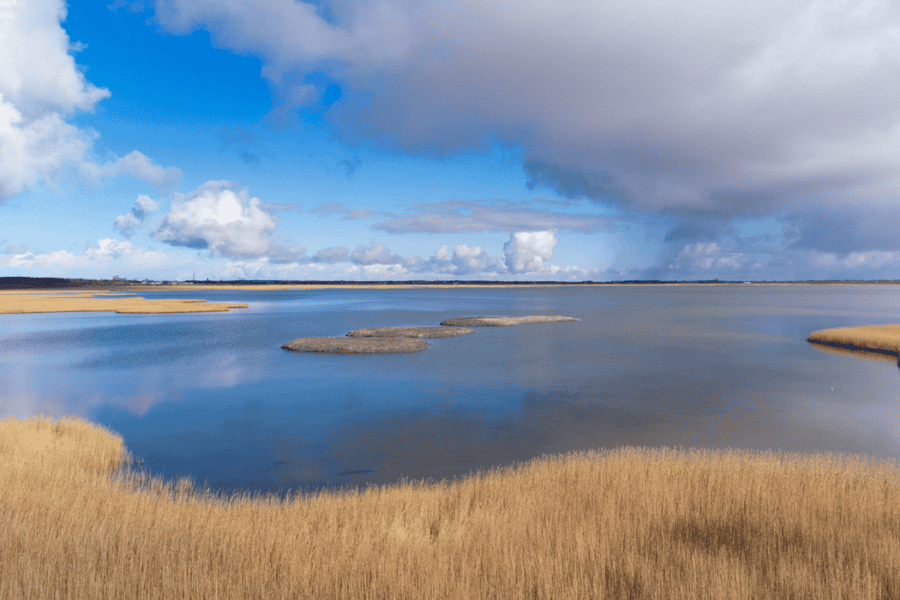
[625,523]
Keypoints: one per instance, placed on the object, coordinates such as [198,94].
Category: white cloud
[39,75]
[144,205]
[461,260]
[526,251]
[95,259]
[332,255]
[41,87]
[376,254]
[138,166]
[35,149]
[222,217]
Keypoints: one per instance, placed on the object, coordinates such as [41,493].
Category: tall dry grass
[28,302]
[629,523]
[884,339]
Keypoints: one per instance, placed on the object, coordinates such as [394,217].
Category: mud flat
[881,339]
[357,345]
[383,340]
[41,301]
[502,321]
[414,332]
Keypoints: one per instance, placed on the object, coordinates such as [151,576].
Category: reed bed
[19,302]
[627,523]
[883,339]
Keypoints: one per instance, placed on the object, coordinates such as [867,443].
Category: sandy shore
[881,339]
[42,301]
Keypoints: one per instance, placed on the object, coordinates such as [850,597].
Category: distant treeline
[23,283]
[30,283]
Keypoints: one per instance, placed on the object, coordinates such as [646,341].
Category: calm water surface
[214,396]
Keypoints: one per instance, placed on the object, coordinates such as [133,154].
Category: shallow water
[213,395]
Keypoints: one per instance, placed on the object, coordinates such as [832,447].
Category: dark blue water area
[214,396]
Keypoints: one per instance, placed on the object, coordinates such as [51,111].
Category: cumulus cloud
[138,166]
[144,205]
[332,255]
[219,216]
[41,87]
[105,253]
[739,110]
[375,254]
[526,251]
[461,261]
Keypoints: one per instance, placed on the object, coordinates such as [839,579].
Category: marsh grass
[628,523]
[882,339]
[19,302]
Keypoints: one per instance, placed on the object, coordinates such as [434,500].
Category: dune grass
[882,339]
[629,523]
[19,302]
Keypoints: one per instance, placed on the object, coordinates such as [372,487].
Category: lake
[214,396]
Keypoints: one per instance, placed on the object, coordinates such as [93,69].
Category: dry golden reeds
[883,339]
[628,523]
[18,302]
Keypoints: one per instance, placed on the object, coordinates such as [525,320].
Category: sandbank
[357,345]
[881,339]
[42,301]
[417,332]
[503,321]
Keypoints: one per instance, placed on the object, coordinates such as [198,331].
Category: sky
[551,140]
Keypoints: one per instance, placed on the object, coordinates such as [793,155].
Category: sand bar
[42,301]
[502,321]
[416,332]
[882,339]
[357,345]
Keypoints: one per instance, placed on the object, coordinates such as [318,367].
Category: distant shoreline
[45,284]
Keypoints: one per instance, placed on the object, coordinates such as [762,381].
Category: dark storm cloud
[741,110]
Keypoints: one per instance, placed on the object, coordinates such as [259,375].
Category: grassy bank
[42,301]
[630,523]
[882,339]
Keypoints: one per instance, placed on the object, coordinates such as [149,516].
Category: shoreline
[864,339]
[18,302]
[630,522]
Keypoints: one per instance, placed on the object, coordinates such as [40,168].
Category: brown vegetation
[357,345]
[419,332]
[19,301]
[502,321]
[627,523]
[883,339]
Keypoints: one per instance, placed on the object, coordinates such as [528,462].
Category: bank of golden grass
[19,302]
[883,339]
[629,523]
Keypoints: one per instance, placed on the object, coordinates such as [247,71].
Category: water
[213,395]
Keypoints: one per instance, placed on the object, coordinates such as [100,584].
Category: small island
[503,321]
[880,339]
[390,340]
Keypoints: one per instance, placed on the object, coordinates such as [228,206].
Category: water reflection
[214,396]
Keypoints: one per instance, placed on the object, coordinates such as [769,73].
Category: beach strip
[42,301]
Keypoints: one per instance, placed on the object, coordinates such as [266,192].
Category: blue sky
[447,139]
